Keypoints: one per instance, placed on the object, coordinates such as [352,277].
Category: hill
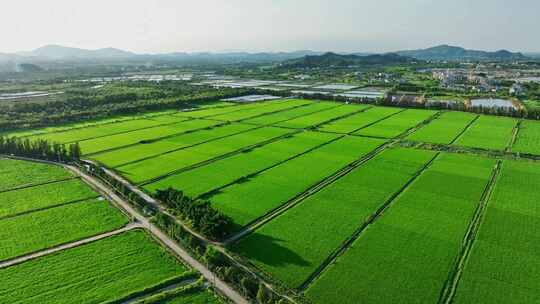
[337,60]
[454,53]
[62,52]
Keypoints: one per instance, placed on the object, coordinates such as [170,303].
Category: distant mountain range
[53,54]
[454,53]
[337,60]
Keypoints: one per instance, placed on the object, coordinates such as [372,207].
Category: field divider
[263,104]
[515,133]
[222,156]
[253,174]
[467,127]
[51,250]
[96,125]
[152,140]
[49,207]
[376,122]
[315,126]
[274,112]
[451,284]
[372,219]
[255,224]
[39,184]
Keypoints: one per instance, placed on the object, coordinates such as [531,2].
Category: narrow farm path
[162,237]
[78,243]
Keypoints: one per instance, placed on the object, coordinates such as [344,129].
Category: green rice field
[341,203]
[101,271]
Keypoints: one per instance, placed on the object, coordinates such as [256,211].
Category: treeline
[125,99]
[198,213]
[40,149]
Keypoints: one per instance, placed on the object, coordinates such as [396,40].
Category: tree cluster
[199,213]
[40,149]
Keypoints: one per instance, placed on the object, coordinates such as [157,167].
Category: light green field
[292,246]
[209,113]
[103,130]
[47,228]
[321,117]
[251,199]
[262,109]
[134,137]
[528,139]
[504,264]
[360,120]
[410,251]
[18,173]
[105,270]
[397,124]
[489,132]
[166,163]
[292,114]
[43,196]
[203,179]
[445,129]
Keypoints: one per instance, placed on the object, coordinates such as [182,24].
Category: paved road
[52,250]
[164,238]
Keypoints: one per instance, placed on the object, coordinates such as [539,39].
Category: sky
[158,26]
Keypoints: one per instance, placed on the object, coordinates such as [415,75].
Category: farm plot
[130,138]
[166,163]
[291,114]
[397,124]
[193,297]
[43,196]
[220,173]
[75,135]
[504,264]
[208,113]
[246,201]
[360,120]
[138,152]
[262,110]
[18,173]
[293,246]
[528,140]
[407,254]
[47,228]
[321,117]
[489,132]
[106,270]
[85,124]
[445,129]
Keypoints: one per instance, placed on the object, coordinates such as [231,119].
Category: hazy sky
[272,25]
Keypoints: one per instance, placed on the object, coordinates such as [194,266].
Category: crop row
[445,129]
[47,228]
[253,198]
[292,114]
[489,132]
[321,117]
[43,196]
[105,270]
[396,124]
[504,264]
[203,179]
[262,109]
[292,246]
[407,254]
[354,122]
[18,173]
[166,163]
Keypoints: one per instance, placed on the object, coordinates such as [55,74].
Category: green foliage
[199,213]
[39,149]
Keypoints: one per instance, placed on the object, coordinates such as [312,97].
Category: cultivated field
[344,203]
